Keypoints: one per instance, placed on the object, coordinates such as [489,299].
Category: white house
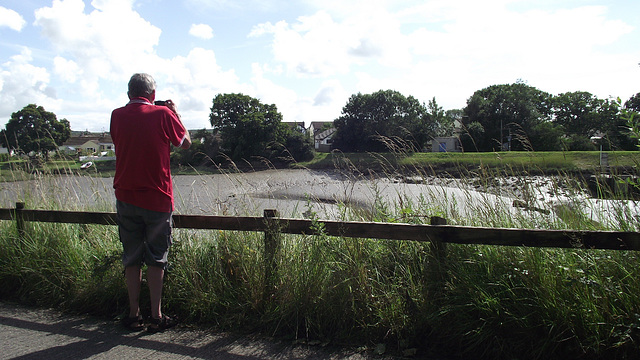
[446,144]
[323,140]
[88,144]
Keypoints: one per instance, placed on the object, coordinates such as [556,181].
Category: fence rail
[436,231]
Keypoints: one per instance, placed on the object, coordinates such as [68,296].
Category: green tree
[249,128]
[298,146]
[582,115]
[203,150]
[630,114]
[577,113]
[471,132]
[633,103]
[383,120]
[35,130]
[438,117]
[547,136]
[453,120]
[508,115]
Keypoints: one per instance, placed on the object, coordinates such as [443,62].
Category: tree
[443,125]
[249,128]
[577,113]
[383,120]
[633,103]
[547,136]
[35,130]
[583,115]
[298,146]
[471,132]
[508,114]
[203,150]
[453,120]
[631,116]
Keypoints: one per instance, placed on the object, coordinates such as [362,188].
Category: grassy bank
[454,164]
[460,164]
[495,303]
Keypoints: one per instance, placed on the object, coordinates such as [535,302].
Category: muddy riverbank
[332,195]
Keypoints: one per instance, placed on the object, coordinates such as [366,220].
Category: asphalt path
[32,333]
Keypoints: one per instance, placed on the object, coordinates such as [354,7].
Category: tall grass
[495,302]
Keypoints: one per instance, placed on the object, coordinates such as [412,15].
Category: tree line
[497,118]
[514,116]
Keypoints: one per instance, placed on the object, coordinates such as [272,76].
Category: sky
[307,57]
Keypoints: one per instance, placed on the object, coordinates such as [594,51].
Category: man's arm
[186,141]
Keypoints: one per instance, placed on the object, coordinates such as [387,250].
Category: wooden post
[436,271]
[271,247]
[20,219]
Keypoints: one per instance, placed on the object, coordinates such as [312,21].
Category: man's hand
[172,106]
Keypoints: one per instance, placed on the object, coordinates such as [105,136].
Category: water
[333,196]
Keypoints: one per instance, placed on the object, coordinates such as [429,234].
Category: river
[331,195]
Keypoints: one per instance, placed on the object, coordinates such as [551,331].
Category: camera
[160,102]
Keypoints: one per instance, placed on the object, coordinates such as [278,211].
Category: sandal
[133,323]
[162,324]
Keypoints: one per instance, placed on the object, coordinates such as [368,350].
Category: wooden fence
[437,232]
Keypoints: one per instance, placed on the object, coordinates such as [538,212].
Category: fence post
[20,219]
[437,263]
[271,247]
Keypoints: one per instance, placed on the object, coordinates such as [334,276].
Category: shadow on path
[28,333]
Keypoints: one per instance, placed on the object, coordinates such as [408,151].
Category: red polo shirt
[142,134]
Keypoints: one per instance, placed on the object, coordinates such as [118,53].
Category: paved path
[28,333]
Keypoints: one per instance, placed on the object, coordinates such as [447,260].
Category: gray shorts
[145,235]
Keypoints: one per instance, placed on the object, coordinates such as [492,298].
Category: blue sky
[307,57]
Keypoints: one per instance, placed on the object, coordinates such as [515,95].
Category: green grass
[529,162]
[452,163]
[490,303]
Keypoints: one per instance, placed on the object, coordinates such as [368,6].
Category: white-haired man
[142,134]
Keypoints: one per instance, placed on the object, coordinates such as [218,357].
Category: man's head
[142,85]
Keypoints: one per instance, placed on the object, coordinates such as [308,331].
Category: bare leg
[155,276]
[133,277]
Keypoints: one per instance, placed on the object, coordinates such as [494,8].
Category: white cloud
[68,70]
[202,31]
[555,50]
[100,48]
[449,49]
[327,102]
[11,19]
[193,81]
[269,92]
[442,48]
[240,6]
[22,84]
[314,46]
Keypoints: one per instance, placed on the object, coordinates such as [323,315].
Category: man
[143,134]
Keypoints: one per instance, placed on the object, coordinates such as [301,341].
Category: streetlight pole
[598,140]
[501,141]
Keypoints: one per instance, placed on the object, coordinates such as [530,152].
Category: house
[322,133]
[323,141]
[88,143]
[446,144]
[296,125]
[319,126]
